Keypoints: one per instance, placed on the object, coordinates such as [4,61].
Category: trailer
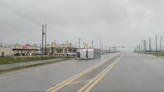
[90,53]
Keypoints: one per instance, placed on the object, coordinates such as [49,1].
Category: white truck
[92,53]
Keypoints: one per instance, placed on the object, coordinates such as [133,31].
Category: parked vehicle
[71,54]
[23,54]
[17,54]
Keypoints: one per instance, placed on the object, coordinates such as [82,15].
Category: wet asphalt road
[134,73]
[125,72]
[41,78]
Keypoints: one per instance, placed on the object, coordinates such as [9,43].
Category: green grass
[9,60]
[149,52]
[159,54]
[35,65]
[155,53]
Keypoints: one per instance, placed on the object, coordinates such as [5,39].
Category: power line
[17,27]
[15,11]
[67,33]
[18,12]
[26,17]
[60,32]
[19,34]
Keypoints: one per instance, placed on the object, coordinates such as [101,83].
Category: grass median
[35,65]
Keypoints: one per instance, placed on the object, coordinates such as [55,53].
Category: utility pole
[149,44]
[10,50]
[156,42]
[113,48]
[161,44]
[139,47]
[92,43]
[145,45]
[40,49]
[45,40]
[100,44]
[79,42]
[42,39]
[76,45]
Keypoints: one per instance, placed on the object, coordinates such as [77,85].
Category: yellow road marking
[95,78]
[59,86]
[95,82]
[75,82]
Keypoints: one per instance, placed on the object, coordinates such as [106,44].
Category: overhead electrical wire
[18,27]
[20,35]
[15,11]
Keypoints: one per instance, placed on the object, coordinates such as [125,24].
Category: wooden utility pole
[79,42]
[145,45]
[45,39]
[156,42]
[100,44]
[92,43]
[149,44]
[139,47]
[42,39]
[161,45]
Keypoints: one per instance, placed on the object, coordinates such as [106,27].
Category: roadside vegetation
[35,65]
[9,60]
[155,53]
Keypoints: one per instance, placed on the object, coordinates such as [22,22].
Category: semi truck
[90,53]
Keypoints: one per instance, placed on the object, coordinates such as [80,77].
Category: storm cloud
[120,22]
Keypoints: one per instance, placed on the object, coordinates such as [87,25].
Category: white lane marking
[24,72]
[44,67]
[11,75]
[51,66]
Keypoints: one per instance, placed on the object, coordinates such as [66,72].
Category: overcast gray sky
[120,22]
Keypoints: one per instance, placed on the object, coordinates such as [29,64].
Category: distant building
[58,49]
[53,49]
[18,49]
[6,51]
